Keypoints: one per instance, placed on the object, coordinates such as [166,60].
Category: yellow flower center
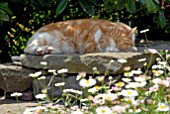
[119,84]
[162,106]
[87,81]
[129,92]
[103,111]
[97,87]
[108,98]
[154,71]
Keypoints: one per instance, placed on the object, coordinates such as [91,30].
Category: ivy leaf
[42,2]
[162,19]
[87,7]
[157,1]
[121,4]
[93,1]
[131,6]
[61,6]
[143,2]
[109,6]
[3,16]
[151,6]
[16,0]
[4,7]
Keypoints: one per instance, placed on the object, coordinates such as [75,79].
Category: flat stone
[53,91]
[77,63]
[15,78]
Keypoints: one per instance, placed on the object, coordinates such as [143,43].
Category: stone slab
[77,63]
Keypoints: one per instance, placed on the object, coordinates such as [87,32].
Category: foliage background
[19,19]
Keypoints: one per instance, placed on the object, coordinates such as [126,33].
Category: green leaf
[42,2]
[15,0]
[157,1]
[109,6]
[121,4]
[87,7]
[151,6]
[61,6]
[143,2]
[4,7]
[156,18]
[3,16]
[162,20]
[93,1]
[131,6]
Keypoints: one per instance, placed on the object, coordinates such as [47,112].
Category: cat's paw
[44,50]
[49,50]
[39,51]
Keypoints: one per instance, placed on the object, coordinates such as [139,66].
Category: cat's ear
[132,31]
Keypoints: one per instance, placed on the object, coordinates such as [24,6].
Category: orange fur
[82,36]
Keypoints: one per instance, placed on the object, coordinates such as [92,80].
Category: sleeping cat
[82,36]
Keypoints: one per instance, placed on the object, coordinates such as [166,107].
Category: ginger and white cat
[82,36]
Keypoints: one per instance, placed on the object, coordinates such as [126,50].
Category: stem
[36,86]
[150,62]
[50,81]
[18,104]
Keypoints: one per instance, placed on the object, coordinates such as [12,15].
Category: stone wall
[14,77]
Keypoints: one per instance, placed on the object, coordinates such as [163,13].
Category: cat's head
[126,41]
[123,42]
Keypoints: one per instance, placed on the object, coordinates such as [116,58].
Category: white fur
[133,37]
[112,47]
[98,35]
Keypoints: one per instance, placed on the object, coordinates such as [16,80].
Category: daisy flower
[87,82]
[142,60]
[143,31]
[110,96]
[129,93]
[60,84]
[119,84]
[35,75]
[43,63]
[140,78]
[157,72]
[128,74]
[81,75]
[64,70]
[137,72]
[162,107]
[103,110]
[94,89]
[16,94]
[78,111]
[122,61]
[40,96]
[118,109]
[154,88]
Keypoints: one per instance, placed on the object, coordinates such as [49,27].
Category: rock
[56,92]
[157,44]
[27,95]
[76,63]
[15,78]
